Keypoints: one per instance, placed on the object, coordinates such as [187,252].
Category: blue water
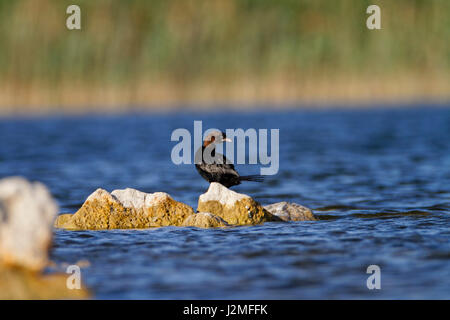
[378,180]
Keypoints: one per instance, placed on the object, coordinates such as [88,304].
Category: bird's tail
[254,178]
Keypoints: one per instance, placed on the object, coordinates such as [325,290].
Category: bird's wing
[223,168]
[225,162]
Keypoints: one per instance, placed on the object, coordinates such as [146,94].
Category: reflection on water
[378,180]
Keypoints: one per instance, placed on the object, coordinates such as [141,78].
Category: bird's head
[215,137]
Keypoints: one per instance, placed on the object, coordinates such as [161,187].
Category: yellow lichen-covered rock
[64,221]
[126,209]
[235,208]
[289,211]
[204,220]
[17,283]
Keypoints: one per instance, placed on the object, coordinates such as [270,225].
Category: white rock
[289,211]
[100,194]
[225,196]
[204,220]
[27,211]
[132,198]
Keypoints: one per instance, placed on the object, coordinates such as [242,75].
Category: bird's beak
[227,140]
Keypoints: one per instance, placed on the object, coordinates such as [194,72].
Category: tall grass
[152,51]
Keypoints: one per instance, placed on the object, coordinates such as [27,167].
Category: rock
[64,221]
[22,284]
[204,220]
[233,207]
[27,211]
[289,211]
[126,209]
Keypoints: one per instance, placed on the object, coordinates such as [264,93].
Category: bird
[221,170]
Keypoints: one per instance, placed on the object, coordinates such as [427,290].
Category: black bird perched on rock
[216,168]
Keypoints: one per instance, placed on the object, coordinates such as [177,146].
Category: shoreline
[243,94]
[213,107]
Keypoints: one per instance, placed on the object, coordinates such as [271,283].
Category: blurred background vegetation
[156,53]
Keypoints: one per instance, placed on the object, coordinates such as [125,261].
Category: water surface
[379,181]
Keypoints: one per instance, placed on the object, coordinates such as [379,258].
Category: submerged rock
[288,211]
[27,211]
[204,220]
[126,209]
[235,208]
